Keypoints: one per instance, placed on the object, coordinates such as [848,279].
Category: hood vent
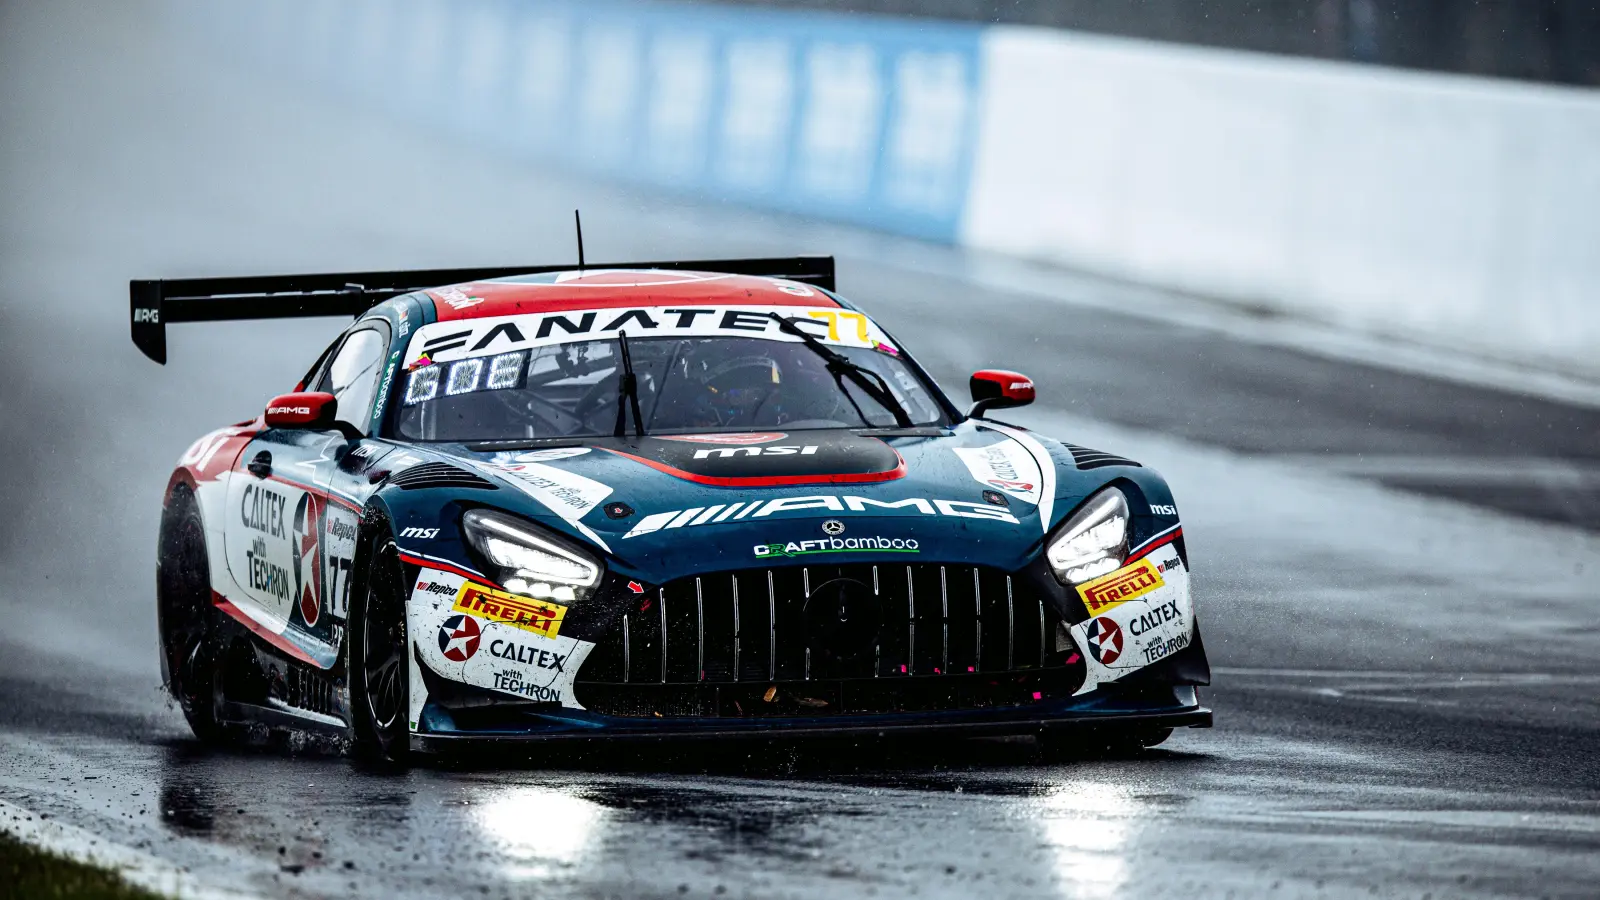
[1094,459]
[439,475]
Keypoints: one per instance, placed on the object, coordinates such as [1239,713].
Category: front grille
[439,475]
[803,626]
[1094,459]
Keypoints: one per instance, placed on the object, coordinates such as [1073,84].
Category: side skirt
[262,685]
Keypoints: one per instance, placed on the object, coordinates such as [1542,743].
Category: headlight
[529,563]
[1093,542]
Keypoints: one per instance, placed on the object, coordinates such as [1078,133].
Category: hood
[668,506]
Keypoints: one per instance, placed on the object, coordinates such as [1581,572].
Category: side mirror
[313,410]
[998,389]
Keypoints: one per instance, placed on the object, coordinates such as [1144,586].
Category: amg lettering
[756,509]
[859,504]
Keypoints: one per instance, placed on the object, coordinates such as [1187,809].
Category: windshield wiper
[627,389]
[841,367]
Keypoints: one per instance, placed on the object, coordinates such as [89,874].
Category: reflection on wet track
[1406,638]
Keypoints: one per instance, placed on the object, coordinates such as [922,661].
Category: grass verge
[26,872]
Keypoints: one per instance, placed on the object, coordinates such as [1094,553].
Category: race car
[682,499]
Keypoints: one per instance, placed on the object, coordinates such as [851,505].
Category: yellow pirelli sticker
[538,616]
[1127,583]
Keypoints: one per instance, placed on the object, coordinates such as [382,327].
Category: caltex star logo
[307,566]
[458,638]
[1105,640]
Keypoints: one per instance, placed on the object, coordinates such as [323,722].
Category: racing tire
[379,670]
[187,620]
[1063,746]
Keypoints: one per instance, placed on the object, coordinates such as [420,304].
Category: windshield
[686,385]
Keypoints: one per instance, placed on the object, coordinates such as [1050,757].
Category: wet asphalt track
[1397,575]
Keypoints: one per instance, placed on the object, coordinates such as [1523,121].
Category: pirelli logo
[537,616]
[1127,583]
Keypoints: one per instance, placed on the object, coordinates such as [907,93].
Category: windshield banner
[448,341]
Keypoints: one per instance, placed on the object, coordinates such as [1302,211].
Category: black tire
[380,683]
[1072,744]
[186,619]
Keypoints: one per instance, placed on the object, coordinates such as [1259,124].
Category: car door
[279,501]
[354,376]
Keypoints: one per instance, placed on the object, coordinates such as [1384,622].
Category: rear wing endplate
[155,304]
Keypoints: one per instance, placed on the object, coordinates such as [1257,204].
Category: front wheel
[380,688]
[186,618]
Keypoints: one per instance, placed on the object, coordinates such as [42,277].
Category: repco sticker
[538,616]
[1127,583]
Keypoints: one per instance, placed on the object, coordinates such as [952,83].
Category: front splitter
[1195,717]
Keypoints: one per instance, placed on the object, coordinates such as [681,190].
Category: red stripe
[899,471]
[444,566]
[1154,545]
[319,492]
[663,289]
[261,631]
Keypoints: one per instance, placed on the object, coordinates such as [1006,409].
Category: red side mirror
[999,389]
[314,410]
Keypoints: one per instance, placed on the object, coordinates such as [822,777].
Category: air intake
[439,475]
[1094,459]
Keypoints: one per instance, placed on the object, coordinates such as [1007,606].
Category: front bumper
[1144,707]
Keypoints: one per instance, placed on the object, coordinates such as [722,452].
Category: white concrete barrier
[1457,212]
[1451,210]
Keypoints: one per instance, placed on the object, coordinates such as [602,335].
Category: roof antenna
[578,221]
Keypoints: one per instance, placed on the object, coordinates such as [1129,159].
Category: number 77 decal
[833,319]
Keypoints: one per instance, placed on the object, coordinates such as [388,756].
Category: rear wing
[158,303]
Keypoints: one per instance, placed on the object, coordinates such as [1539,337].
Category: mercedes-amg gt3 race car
[687,499]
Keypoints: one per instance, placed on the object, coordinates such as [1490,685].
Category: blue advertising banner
[859,119]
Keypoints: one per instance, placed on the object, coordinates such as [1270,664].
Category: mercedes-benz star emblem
[833,527]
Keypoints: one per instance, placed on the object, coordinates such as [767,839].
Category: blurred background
[1330,266]
[1539,40]
[1131,140]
